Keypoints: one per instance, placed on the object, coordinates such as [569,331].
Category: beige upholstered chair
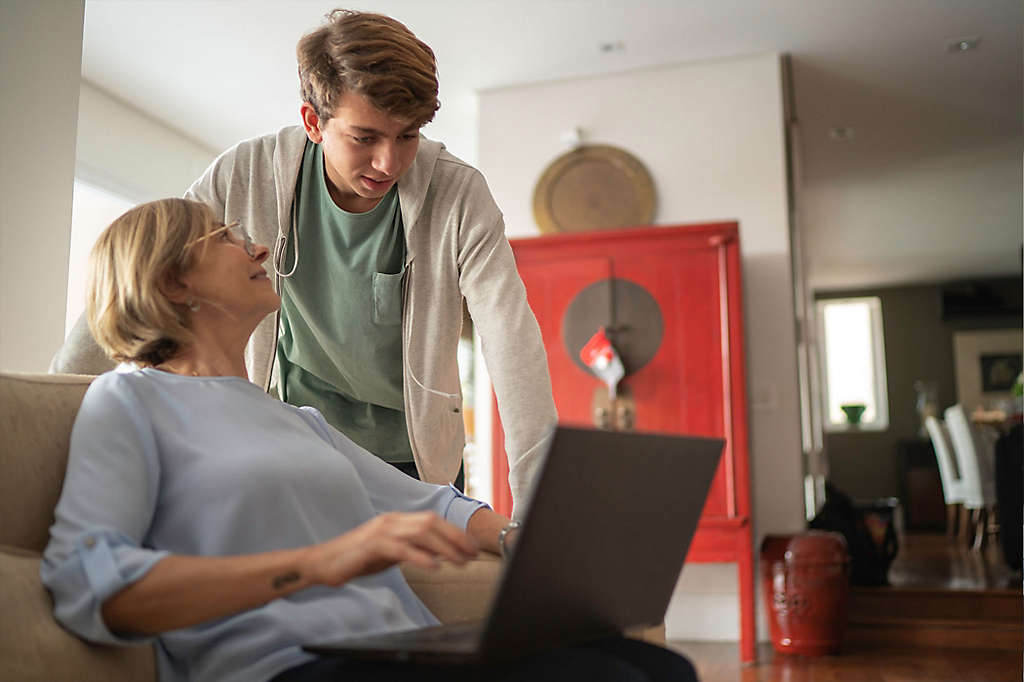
[36,415]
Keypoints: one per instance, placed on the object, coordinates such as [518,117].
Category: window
[853,359]
[92,210]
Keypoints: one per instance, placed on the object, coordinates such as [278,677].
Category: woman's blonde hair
[132,262]
[371,55]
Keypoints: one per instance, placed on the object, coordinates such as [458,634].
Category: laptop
[606,531]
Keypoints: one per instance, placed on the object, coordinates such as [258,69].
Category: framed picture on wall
[999,371]
[987,363]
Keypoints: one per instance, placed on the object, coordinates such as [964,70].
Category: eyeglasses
[236,232]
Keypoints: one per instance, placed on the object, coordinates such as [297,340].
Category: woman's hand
[421,538]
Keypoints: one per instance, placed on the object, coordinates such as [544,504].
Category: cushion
[35,648]
[35,420]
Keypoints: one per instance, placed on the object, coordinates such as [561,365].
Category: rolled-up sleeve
[96,546]
[99,565]
[389,488]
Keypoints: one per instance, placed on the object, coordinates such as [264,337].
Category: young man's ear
[311,122]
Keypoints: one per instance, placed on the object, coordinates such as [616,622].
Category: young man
[378,234]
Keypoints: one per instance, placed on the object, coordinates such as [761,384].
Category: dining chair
[949,475]
[975,457]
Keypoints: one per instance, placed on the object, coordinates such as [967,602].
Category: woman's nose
[260,252]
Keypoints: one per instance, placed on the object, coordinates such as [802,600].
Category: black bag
[869,561]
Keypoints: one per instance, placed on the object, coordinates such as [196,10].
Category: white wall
[128,152]
[124,157]
[711,135]
[40,63]
[955,214]
[56,127]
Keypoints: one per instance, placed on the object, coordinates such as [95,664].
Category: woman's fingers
[420,538]
[403,552]
[444,540]
[430,533]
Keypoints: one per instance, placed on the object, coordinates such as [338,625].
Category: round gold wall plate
[593,187]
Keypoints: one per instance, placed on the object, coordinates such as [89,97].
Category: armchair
[36,416]
[37,412]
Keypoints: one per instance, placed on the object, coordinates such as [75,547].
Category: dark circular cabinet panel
[630,315]
[594,187]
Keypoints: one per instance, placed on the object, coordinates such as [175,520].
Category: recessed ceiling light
[962,44]
[841,133]
[614,46]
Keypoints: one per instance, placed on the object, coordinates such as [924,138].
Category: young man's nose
[385,159]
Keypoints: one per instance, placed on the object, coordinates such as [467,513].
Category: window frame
[881,421]
[78,248]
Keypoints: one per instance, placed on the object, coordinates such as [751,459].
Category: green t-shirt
[340,346]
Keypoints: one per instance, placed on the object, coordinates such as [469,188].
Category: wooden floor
[925,563]
[720,663]
[929,560]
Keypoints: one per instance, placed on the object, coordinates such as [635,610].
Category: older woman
[231,527]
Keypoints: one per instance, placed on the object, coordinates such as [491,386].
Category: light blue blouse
[213,466]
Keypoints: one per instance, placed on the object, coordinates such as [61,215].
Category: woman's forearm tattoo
[285,579]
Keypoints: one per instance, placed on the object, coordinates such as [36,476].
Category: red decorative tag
[601,357]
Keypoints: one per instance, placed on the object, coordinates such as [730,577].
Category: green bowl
[853,412]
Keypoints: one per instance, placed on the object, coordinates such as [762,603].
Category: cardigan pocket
[387,297]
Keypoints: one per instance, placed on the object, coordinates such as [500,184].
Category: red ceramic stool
[805,580]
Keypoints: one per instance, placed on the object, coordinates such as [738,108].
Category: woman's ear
[174,290]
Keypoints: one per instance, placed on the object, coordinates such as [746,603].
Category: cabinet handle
[624,413]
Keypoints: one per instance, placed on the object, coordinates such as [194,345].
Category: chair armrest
[35,648]
[455,594]
[652,635]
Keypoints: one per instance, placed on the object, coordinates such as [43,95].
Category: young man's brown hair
[371,55]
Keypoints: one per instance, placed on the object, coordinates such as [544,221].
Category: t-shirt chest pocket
[387,297]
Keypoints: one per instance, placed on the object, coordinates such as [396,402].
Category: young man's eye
[410,136]
[362,140]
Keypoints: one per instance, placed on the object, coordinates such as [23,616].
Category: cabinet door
[685,384]
[550,289]
[681,390]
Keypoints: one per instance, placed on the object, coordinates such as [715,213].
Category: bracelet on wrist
[503,536]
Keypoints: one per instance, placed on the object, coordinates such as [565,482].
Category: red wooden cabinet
[685,370]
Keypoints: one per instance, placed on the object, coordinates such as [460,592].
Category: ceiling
[927,186]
